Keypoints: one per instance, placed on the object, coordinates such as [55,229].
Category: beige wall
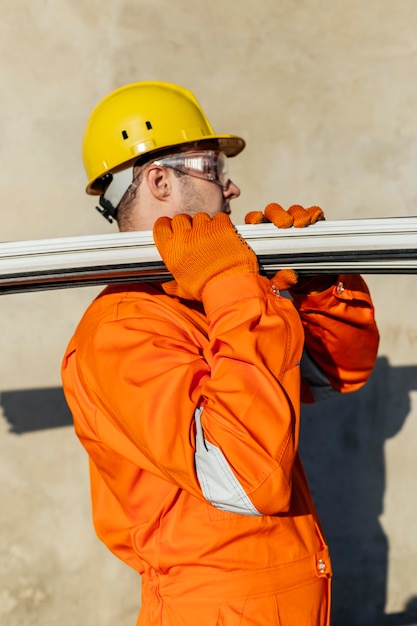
[325,94]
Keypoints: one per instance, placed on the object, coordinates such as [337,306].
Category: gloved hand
[298,217]
[199,250]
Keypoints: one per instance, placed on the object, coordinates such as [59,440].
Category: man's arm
[341,337]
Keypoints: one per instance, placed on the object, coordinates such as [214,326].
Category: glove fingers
[211,227]
[316,214]
[162,231]
[278,216]
[181,223]
[222,220]
[304,217]
[284,279]
[200,219]
[254,217]
[295,216]
[300,216]
[172,288]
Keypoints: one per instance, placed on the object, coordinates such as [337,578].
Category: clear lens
[209,165]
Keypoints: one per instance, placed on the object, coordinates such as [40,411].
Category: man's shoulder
[140,301]
[136,312]
[114,305]
[122,300]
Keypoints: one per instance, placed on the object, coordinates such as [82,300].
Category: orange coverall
[189,413]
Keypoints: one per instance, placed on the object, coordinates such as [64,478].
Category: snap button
[340,288]
[321,566]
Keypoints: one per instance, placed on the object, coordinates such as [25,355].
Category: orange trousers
[294,595]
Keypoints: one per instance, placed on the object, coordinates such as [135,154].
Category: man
[187,395]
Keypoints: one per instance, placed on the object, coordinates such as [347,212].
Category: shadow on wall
[342,448]
[35,409]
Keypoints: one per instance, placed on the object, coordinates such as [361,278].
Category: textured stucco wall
[324,92]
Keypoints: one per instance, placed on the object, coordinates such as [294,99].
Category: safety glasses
[207,164]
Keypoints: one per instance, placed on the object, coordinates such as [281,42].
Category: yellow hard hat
[142,118]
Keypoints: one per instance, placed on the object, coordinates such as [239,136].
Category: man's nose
[231,190]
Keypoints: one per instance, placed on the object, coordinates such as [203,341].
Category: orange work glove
[298,217]
[199,250]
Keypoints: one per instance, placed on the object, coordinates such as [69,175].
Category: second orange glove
[296,216]
[199,250]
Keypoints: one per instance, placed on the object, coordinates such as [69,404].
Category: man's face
[174,187]
[202,196]
[203,181]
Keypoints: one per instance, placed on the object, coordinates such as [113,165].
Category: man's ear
[158,180]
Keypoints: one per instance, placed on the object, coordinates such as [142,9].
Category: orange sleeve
[341,336]
[251,400]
